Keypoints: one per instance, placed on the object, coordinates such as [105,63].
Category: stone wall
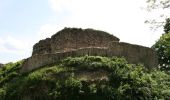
[42,47]
[40,60]
[133,54]
[71,42]
[73,38]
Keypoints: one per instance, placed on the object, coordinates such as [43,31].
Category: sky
[24,22]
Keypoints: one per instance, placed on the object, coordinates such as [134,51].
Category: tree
[162,47]
[167,26]
[158,6]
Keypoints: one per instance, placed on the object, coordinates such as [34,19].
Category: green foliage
[162,47]
[167,26]
[61,81]
[94,62]
[9,71]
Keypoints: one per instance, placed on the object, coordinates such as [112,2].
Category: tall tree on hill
[162,47]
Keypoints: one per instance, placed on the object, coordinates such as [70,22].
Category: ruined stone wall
[73,38]
[42,47]
[37,61]
[80,42]
[133,53]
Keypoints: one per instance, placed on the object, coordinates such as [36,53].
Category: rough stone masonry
[72,42]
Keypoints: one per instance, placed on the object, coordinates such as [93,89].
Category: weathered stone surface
[73,38]
[142,55]
[42,47]
[134,53]
[37,61]
[72,42]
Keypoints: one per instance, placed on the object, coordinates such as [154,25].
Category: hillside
[84,78]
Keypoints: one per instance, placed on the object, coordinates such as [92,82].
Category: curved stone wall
[133,53]
[71,42]
[73,38]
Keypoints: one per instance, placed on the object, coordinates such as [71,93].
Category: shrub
[125,81]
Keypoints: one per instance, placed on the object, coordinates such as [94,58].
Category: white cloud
[58,5]
[123,18]
[13,49]
[47,31]
[11,44]
[15,43]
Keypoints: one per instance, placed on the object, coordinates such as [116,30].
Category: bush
[125,81]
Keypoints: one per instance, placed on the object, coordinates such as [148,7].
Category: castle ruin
[72,42]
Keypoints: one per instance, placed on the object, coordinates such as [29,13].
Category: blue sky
[19,20]
[23,16]
[25,22]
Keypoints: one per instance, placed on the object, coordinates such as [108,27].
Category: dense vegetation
[65,81]
[162,47]
[167,26]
